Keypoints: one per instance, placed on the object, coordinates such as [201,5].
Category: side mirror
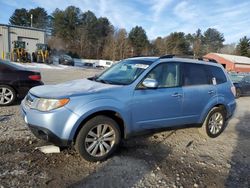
[150,83]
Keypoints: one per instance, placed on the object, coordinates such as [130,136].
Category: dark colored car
[241,83]
[66,60]
[15,82]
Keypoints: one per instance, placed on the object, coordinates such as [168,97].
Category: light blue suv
[135,95]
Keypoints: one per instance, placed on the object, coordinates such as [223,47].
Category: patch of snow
[41,66]
[49,149]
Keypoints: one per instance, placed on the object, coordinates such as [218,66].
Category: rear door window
[218,74]
[194,74]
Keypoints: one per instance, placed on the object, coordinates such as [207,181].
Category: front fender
[101,105]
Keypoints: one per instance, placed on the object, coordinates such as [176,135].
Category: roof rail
[208,60]
[167,56]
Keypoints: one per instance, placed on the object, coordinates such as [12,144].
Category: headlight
[49,104]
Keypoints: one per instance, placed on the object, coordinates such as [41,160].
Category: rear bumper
[231,109]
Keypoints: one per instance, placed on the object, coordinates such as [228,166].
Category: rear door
[159,107]
[198,91]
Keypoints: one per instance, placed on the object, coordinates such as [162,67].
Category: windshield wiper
[102,81]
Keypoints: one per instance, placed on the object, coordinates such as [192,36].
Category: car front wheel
[98,138]
[7,95]
[214,123]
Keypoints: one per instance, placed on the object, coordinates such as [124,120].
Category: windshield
[124,72]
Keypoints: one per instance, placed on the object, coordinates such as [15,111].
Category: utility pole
[31,20]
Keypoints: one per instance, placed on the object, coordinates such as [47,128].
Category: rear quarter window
[218,74]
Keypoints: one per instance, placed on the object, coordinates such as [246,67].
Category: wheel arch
[219,105]
[109,113]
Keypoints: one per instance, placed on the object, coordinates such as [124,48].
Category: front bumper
[54,126]
[47,135]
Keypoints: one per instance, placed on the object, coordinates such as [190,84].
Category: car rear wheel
[98,138]
[214,123]
[7,95]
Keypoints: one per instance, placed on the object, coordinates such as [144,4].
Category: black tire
[206,129]
[82,145]
[10,91]
[238,93]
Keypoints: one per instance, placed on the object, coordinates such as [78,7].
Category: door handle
[211,92]
[177,95]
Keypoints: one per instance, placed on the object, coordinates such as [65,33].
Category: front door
[161,106]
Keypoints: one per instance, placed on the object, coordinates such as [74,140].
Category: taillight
[233,90]
[35,77]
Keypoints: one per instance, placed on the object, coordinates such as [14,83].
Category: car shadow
[5,117]
[136,158]
[239,173]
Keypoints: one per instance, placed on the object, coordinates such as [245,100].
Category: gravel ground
[174,158]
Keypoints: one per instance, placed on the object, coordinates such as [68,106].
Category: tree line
[82,34]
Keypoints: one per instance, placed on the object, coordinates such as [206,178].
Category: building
[231,62]
[11,33]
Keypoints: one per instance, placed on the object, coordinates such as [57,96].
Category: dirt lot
[175,158]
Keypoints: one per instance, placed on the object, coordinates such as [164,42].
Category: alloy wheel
[100,140]
[215,123]
[6,95]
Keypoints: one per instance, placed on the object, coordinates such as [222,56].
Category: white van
[103,63]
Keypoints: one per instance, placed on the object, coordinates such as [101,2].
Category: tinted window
[217,72]
[194,74]
[166,74]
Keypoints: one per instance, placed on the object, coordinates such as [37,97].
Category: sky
[157,17]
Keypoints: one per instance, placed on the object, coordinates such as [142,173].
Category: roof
[174,59]
[23,27]
[233,58]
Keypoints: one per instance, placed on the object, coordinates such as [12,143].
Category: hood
[71,88]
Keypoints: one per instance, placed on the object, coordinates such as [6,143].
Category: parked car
[89,65]
[133,96]
[15,82]
[66,60]
[103,64]
[241,83]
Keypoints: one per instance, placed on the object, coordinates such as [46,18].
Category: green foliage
[176,43]
[40,17]
[138,39]
[81,32]
[22,17]
[243,48]
[196,42]
[213,40]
